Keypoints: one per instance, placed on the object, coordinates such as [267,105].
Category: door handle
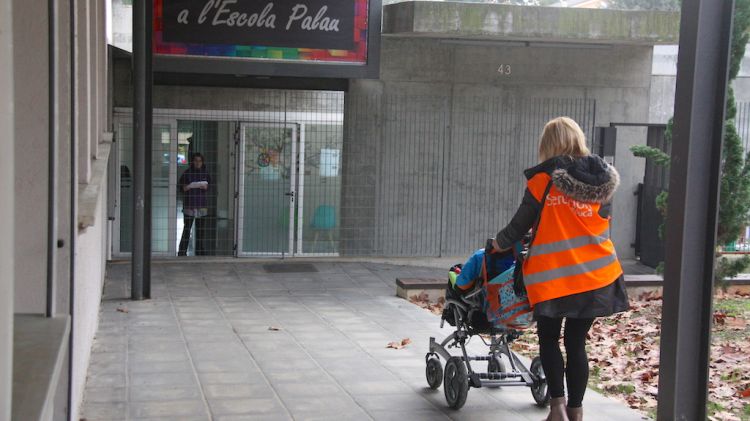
[289,193]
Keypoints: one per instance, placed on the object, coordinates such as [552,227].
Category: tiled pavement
[202,349]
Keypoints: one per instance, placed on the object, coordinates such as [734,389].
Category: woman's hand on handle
[496,247]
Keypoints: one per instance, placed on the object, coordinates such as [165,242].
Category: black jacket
[586,179]
[194,198]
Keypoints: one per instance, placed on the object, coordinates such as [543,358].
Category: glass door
[163,165]
[162,193]
[319,189]
[214,233]
[267,189]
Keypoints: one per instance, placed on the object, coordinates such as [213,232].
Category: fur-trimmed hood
[586,179]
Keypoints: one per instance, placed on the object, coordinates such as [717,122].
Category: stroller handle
[489,249]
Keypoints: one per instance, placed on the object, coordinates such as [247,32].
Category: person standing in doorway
[194,184]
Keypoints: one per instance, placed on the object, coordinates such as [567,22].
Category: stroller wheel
[539,389]
[495,365]
[434,372]
[456,384]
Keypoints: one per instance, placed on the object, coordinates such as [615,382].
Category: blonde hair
[562,136]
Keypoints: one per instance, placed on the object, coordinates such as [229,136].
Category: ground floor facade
[324,173]
[426,160]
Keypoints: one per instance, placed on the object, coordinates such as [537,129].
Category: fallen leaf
[720,317]
[736,323]
[274,328]
[399,344]
[123,310]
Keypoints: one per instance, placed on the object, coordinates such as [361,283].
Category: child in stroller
[483,299]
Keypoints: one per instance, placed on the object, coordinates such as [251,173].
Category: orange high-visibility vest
[571,252]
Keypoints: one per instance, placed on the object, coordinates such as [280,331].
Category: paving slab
[167,408]
[109,411]
[201,349]
[164,393]
[246,406]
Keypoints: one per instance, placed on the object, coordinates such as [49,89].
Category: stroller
[468,312]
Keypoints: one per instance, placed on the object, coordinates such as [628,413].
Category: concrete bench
[433,287]
[636,285]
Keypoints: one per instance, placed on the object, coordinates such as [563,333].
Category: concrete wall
[30,64]
[664,78]
[467,20]
[617,78]
[6,210]
[91,250]
[26,75]
[92,242]
[122,24]
[63,182]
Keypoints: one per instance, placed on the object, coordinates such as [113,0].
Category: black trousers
[576,371]
[200,231]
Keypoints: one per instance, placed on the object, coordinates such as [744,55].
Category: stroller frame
[459,375]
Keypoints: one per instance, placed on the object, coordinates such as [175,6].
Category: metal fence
[649,244]
[448,170]
[273,170]
[742,121]
[320,173]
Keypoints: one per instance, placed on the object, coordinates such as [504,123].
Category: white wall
[92,242]
[30,80]
[6,210]
[625,209]
[89,275]
[664,78]
[122,25]
[24,138]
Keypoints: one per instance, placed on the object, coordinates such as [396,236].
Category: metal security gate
[649,244]
[163,176]
[437,175]
[319,173]
[274,161]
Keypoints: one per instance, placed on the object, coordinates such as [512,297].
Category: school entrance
[274,169]
[405,176]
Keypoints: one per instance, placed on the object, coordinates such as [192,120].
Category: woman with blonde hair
[571,271]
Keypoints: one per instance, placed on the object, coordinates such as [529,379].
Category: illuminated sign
[269,37]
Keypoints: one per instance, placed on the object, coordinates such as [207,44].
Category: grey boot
[575,414]
[557,411]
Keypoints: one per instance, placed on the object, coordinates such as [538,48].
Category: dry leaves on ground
[423,300]
[123,310]
[624,354]
[399,344]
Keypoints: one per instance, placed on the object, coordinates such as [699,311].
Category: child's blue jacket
[473,267]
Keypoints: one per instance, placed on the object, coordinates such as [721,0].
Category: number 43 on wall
[504,69]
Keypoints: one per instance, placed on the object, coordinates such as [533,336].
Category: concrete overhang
[483,22]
